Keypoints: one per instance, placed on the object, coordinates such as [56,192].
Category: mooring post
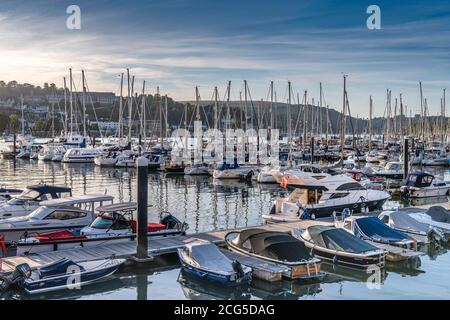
[405,158]
[312,149]
[142,199]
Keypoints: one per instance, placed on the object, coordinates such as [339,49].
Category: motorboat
[113,223]
[53,215]
[7,193]
[267,174]
[421,184]
[174,168]
[372,157]
[204,260]
[125,160]
[24,153]
[155,161]
[106,159]
[336,246]
[392,170]
[399,245]
[197,170]
[29,199]
[80,155]
[50,150]
[401,220]
[59,275]
[276,247]
[438,157]
[322,198]
[231,171]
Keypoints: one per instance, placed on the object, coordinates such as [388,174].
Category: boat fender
[2,246]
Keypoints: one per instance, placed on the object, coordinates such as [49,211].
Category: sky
[178,45]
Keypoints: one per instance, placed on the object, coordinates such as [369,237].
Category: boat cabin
[419,180]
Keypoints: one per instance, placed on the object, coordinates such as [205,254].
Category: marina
[166,248]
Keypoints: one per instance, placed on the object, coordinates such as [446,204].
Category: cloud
[179,53]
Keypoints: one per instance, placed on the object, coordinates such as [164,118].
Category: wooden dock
[156,247]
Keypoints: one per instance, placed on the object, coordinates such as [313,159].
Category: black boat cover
[275,245]
[439,214]
[372,228]
[338,239]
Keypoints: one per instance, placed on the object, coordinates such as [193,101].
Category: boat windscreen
[439,214]
[210,257]
[374,229]
[338,239]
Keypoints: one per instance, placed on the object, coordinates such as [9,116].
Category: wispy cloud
[176,47]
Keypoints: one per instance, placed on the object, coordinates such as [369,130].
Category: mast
[84,102]
[343,117]
[304,119]
[23,119]
[245,103]
[65,107]
[370,123]
[271,105]
[71,101]
[422,121]
[401,116]
[143,114]
[320,107]
[166,107]
[216,107]
[289,125]
[158,96]
[121,108]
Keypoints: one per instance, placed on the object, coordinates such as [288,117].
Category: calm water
[208,205]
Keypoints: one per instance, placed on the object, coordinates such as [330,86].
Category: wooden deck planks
[157,246]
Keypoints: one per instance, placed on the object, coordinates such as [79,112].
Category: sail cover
[338,239]
[275,245]
[209,257]
[372,228]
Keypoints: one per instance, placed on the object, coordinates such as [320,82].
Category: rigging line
[93,108]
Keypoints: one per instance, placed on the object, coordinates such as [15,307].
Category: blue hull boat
[65,274]
[205,261]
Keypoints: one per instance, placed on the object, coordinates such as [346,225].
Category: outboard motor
[237,267]
[173,223]
[17,277]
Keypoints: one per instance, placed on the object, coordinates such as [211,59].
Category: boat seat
[151,227]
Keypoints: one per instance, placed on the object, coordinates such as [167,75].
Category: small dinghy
[337,246]
[62,274]
[277,247]
[205,261]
